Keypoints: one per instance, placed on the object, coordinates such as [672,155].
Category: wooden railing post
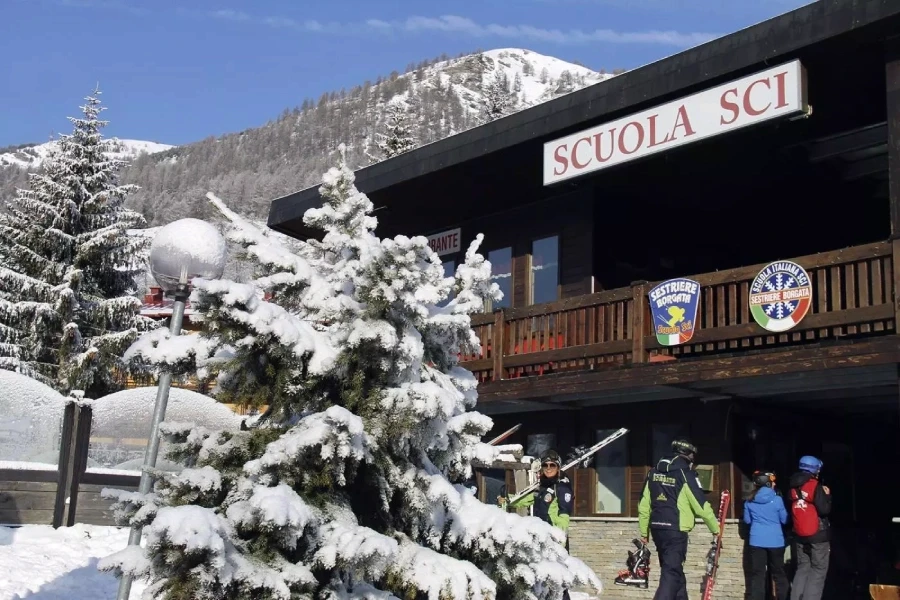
[497,344]
[82,439]
[64,467]
[895,264]
[638,321]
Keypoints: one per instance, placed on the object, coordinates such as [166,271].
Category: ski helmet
[684,447]
[811,464]
[763,479]
[550,456]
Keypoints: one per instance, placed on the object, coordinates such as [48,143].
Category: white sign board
[446,242]
[776,92]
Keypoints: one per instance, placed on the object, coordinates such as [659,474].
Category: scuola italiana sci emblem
[780,296]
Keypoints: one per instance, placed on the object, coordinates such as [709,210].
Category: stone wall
[603,545]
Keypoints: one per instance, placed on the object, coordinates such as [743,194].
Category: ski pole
[587,454]
[504,435]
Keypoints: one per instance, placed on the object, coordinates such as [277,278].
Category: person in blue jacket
[765,513]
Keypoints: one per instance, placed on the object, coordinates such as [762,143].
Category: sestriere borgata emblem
[780,296]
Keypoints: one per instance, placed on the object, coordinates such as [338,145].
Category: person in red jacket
[810,507]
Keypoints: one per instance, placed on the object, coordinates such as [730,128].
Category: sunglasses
[549,464]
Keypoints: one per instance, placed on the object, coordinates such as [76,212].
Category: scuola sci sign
[673,306]
[773,93]
[780,296]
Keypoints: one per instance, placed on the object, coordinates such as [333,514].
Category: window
[545,270]
[611,465]
[501,274]
[536,444]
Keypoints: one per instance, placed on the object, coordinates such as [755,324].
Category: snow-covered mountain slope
[541,77]
[31,157]
[443,96]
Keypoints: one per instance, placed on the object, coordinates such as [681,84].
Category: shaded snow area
[31,157]
[121,424]
[30,421]
[40,563]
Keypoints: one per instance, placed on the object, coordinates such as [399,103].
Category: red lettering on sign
[640,139]
[575,161]
[598,146]
[730,106]
[780,87]
[653,140]
[682,121]
[748,108]
[560,158]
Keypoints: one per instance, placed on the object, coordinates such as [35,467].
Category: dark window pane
[544,269]
[501,274]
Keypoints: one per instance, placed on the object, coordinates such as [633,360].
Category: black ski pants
[671,546]
[773,558]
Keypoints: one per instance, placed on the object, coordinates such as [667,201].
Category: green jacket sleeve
[523,502]
[644,511]
[699,505]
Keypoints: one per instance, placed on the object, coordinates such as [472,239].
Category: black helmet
[763,479]
[684,447]
[550,456]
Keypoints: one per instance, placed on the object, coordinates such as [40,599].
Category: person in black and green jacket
[553,499]
[671,501]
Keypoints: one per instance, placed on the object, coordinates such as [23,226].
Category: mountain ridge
[248,169]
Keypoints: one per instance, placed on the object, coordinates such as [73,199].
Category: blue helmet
[810,464]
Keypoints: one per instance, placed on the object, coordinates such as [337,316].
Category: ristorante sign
[773,93]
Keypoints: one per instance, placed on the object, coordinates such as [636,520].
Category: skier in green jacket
[671,501]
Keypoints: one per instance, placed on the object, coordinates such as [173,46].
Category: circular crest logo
[780,296]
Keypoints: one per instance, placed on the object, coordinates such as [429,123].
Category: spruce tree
[497,100]
[398,136]
[68,265]
[352,485]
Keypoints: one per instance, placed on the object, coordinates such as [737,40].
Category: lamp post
[181,251]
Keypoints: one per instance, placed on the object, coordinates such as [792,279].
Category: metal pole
[159,413]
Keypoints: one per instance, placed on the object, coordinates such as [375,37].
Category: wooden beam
[80,456]
[639,327]
[497,345]
[892,81]
[882,350]
[64,464]
[847,142]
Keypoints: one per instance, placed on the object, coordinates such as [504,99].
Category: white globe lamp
[185,249]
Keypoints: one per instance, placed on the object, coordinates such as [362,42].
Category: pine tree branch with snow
[352,485]
[68,307]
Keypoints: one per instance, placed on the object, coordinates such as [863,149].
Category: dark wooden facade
[823,191]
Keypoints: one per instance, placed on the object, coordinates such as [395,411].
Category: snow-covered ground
[31,157]
[38,562]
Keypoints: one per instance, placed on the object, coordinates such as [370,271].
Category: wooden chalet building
[764,167]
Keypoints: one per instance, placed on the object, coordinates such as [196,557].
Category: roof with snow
[823,32]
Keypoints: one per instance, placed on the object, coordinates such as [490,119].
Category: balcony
[610,331]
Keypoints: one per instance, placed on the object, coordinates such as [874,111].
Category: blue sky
[175,71]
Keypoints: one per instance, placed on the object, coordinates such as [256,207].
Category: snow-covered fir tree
[350,488]
[398,136]
[68,265]
[497,100]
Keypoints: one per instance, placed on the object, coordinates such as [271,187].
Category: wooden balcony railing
[853,294]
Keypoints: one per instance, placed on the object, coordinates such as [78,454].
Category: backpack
[803,510]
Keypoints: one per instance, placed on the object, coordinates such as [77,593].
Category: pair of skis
[581,458]
[712,557]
